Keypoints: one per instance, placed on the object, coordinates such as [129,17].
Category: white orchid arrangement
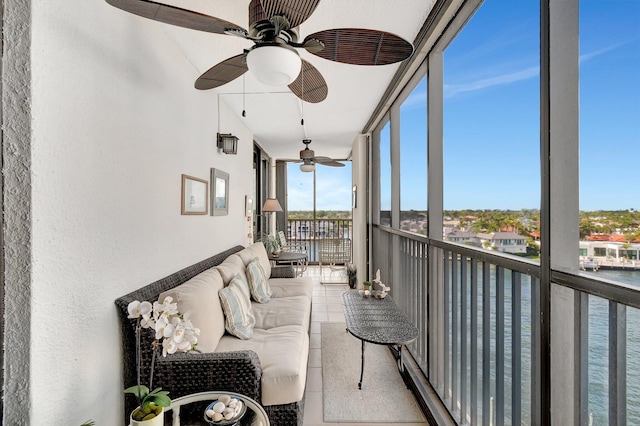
[174,332]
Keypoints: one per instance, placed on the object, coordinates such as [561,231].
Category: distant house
[506,242]
[608,250]
[461,237]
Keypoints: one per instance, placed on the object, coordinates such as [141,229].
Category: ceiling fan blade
[314,89]
[321,159]
[360,46]
[175,16]
[332,163]
[222,73]
[326,161]
[296,11]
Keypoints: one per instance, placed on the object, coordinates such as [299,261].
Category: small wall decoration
[219,193]
[248,205]
[194,195]
[354,197]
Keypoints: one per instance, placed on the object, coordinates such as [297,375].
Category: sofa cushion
[285,287]
[199,297]
[236,304]
[258,283]
[231,267]
[283,353]
[293,310]
[253,251]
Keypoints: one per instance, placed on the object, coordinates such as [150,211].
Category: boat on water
[589,264]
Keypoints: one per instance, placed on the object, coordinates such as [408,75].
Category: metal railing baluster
[473,395]
[463,339]
[455,324]
[516,348]
[535,352]
[446,323]
[500,346]
[486,342]
[583,384]
[617,364]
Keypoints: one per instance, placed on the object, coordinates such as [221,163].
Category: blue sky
[491,113]
[333,188]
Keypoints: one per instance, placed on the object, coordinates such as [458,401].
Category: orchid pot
[158,420]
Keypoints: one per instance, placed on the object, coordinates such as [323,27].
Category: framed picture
[219,193]
[195,194]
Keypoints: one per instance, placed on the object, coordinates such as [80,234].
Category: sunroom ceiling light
[307,167]
[275,65]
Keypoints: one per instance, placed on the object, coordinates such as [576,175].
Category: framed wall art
[195,194]
[219,193]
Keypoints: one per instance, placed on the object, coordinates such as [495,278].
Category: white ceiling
[273,114]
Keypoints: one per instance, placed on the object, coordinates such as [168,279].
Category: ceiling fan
[309,159]
[274,59]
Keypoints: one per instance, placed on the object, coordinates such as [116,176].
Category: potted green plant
[352,275]
[271,244]
[173,333]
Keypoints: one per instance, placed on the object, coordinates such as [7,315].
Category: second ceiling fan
[309,159]
[274,58]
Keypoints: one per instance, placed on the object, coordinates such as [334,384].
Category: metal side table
[377,321]
[255,415]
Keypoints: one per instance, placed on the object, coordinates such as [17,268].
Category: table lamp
[271,205]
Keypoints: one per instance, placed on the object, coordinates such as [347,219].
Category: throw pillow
[236,304]
[258,283]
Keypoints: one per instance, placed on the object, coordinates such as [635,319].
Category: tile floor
[327,307]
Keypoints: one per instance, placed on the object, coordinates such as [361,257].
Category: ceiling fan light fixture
[275,65]
[307,167]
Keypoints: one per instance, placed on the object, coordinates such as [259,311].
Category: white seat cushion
[294,310]
[199,297]
[285,287]
[283,353]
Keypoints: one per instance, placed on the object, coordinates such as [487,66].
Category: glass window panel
[385,175]
[609,133]
[491,127]
[413,160]
[334,191]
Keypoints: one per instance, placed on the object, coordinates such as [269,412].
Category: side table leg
[361,368]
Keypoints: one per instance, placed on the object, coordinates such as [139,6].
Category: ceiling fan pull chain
[244,112]
[302,97]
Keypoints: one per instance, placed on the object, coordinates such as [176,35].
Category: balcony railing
[479,341]
[313,231]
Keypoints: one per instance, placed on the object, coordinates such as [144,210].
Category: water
[598,369]
[599,352]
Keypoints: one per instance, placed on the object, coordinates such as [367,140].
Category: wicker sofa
[270,367]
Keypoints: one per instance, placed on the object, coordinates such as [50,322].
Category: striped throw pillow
[258,283]
[236,304]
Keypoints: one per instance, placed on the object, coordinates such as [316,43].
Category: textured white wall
[115,122]
[16,208]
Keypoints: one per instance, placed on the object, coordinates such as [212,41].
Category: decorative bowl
[364,293]
[225,422]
